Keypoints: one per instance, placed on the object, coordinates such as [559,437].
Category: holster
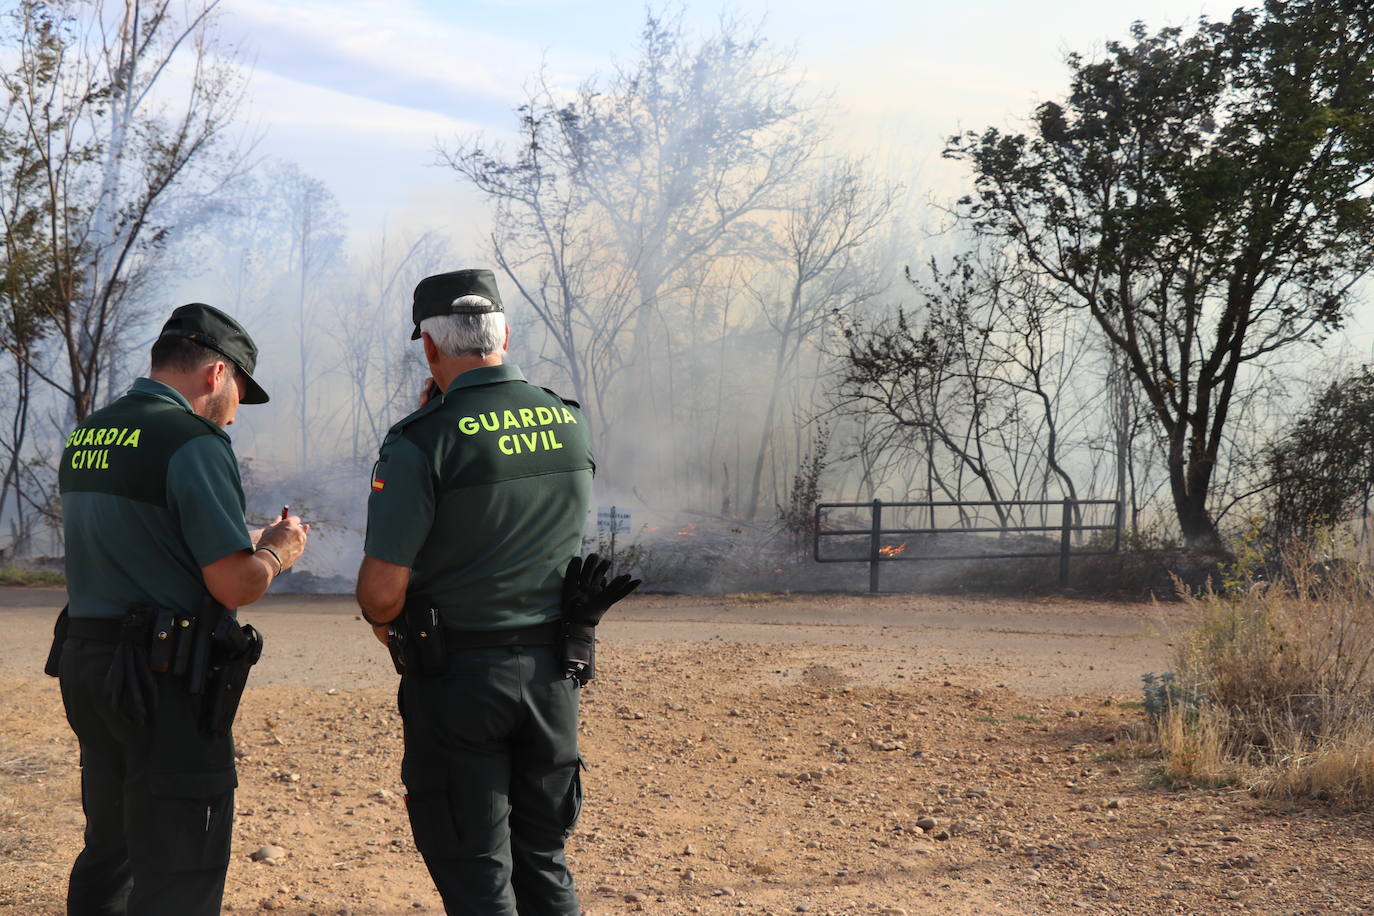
[53,666]
[417,642]
[236,650]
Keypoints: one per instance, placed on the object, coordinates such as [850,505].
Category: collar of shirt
[149,388]
[487,375]
[161,391]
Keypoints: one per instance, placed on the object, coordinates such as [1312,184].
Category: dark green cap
[210,327]
[435,295]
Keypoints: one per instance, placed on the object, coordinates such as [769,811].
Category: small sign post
[612,521]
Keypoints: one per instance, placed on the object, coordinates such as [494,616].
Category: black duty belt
[209,651]
[542,634]
[96,629]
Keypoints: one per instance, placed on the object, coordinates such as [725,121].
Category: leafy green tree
[1321,470]
[1206,197]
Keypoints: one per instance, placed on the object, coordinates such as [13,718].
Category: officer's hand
[586,593]
[383,634]
[428,391]
[287,537]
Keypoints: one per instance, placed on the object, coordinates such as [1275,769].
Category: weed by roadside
[30,578]
[1274,688]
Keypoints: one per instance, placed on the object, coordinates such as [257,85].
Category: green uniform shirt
[483,493]
[150,494]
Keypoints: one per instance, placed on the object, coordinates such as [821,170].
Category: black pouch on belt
[162,640]
[197,660]
[579,652]
[238,649]
[53,666]
[184,642]
[423,640]
[129,682]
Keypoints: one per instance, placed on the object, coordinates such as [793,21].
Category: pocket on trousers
[431,811]
[190,821]
[572,804]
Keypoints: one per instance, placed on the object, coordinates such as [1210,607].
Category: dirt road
[1042,647]
[749,754]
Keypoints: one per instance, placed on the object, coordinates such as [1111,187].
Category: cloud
[284,102]
[394,53]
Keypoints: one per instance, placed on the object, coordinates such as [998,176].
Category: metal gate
[1068,527]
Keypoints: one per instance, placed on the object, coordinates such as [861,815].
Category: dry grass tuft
[1338,768]
[1277,688]
[1193,745]
[11,812]
[22,766]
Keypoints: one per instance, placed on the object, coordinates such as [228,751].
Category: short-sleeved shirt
[150,494]
[483,493]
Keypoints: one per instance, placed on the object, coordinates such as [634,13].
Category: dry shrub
[1193,745]
[1336,768]
[1280,681]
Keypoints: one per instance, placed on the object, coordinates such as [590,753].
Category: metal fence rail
[878,553]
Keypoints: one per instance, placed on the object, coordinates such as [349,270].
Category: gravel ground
[749,754]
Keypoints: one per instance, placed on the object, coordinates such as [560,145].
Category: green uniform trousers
[158,798]
[492,779]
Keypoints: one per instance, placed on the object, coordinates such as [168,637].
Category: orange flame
[892,551]
[688,531]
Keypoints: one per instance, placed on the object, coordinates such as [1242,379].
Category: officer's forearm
[240,578]
[381,590]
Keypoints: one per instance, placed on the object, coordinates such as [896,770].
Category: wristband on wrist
[276,556]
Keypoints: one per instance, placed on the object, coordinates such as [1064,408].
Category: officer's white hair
[467,335]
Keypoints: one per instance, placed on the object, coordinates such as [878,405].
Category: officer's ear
[211,373]
[505,344]
[431,350]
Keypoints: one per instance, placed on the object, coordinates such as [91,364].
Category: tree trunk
[766,434]
[1189,479]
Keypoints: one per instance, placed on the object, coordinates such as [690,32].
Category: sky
[360,93]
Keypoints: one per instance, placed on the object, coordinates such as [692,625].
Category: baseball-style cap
[435,295]
[210,327]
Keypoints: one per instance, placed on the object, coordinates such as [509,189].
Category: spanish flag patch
[378,483]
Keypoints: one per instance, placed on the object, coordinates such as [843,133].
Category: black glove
[586,594]
[586,598]
[129,683]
